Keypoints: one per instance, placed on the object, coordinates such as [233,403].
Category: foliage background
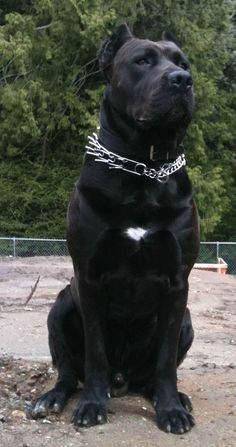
[50,90]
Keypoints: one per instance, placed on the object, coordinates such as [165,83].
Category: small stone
[19,414]
[46,421]
[209,365]
[31,382]
[231,365]
[5,392]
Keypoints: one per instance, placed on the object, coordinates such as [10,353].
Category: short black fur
[122,324]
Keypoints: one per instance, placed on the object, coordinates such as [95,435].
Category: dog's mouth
[166,107]
[174,120]
[175,114]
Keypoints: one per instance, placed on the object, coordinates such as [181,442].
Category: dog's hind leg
[185,342]
[186,337]
[66,341]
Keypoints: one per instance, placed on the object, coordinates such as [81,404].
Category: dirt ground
[208,374]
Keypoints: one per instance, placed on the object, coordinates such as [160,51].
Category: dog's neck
[120,136]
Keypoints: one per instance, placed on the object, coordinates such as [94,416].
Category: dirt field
[208,375]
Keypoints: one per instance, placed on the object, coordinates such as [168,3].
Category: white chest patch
[135,233]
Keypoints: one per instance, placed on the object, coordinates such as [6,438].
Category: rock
[2,418]
[19,414]
[231,365]
[209,365]
[46,421]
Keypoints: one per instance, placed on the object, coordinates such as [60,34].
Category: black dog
[122,324]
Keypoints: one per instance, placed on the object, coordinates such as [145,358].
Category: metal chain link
[115,161]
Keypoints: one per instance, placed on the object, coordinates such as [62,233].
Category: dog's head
[149,83]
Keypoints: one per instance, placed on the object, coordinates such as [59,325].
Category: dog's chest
[135,233]
[133,266]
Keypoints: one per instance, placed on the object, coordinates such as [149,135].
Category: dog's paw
[90,412]
[174,420]
[53,401]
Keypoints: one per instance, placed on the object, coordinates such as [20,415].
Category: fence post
[14,247]
[217,250]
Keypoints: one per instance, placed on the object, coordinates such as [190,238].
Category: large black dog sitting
[122,324]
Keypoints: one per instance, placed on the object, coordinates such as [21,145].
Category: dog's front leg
[172,414]
[92,406]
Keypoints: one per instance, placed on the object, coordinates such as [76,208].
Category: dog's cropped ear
[167,35]
[110,47]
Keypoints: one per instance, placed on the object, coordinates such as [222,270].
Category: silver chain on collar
[115,161]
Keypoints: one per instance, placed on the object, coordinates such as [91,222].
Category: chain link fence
[22,247]
[210,252]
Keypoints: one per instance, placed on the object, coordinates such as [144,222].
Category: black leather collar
[148,153]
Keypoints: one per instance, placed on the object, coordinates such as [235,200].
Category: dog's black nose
[181,79]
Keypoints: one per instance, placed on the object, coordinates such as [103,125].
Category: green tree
[205,30]
[49,100]
[50,90]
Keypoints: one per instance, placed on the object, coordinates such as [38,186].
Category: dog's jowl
[122,324]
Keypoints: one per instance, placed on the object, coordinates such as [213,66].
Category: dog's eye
[143,61]
[184,65]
